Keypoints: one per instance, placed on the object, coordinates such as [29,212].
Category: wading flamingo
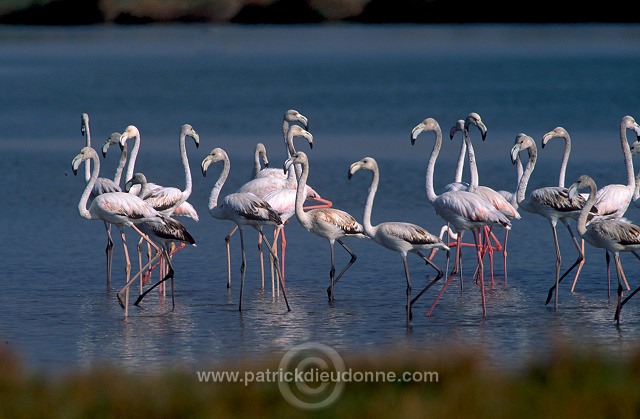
[244,209]
[330,223]
[462,209]
[401,237]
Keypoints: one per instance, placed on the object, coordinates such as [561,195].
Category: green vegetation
[571,384]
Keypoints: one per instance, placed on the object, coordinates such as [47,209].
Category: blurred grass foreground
[569,384]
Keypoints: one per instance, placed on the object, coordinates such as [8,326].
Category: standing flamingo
[244,209]
[613,200]
[118,208]
[561,132]
[462,209]
[614,236]
[165,199]
[261,186]
[103,185]
[550,202]
[401,237]
[330,223]
[492,196]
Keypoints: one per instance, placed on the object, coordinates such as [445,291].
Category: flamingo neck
[291,150]
[256,164]
[187,170]
[84,199]
[565,160]
[473,168]
[584,213]
[368,208]
[132,160]
[301,215]
[628,162]
[123,159]
[87,163]
[431,195]
[217,187]
[461,160]
[524,180]
[519,172]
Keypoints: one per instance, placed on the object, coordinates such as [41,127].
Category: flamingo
[561,132]
[614,236]
[462,209]
[401,237]
[330,223]
[290,116]
[244,209]
[163,198]
[118,208]
[263,185]
[102,185]
[613,200]
[492,196]
[550,202]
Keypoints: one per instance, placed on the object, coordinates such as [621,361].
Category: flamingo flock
[275,196]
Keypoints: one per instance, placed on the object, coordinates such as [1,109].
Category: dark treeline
[83,12]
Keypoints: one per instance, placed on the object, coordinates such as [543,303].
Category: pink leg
[480,273]
[453,273]
[227,240]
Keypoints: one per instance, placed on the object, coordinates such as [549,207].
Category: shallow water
[362,97]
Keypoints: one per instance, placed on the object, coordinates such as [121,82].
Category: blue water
[363,89]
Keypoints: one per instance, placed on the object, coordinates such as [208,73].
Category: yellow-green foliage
[569,384]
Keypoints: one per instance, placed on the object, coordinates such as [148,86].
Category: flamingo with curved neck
[401,237]
[462,209]
[614,236]
[118,208]
[551,202]
[330,223]
[244,209]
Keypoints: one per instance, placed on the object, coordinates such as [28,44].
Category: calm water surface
[363,89]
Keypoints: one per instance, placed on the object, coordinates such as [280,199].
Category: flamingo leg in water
[163,255]
[347,266]
[406,274]
[227,241]
[261,262]
[277,268]
[480,271]
[575,279]
[128,267]
[109,251]
[579,261]
[440,274]
[453,273]
[620,304]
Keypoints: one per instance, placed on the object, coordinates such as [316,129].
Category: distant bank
[88,12]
